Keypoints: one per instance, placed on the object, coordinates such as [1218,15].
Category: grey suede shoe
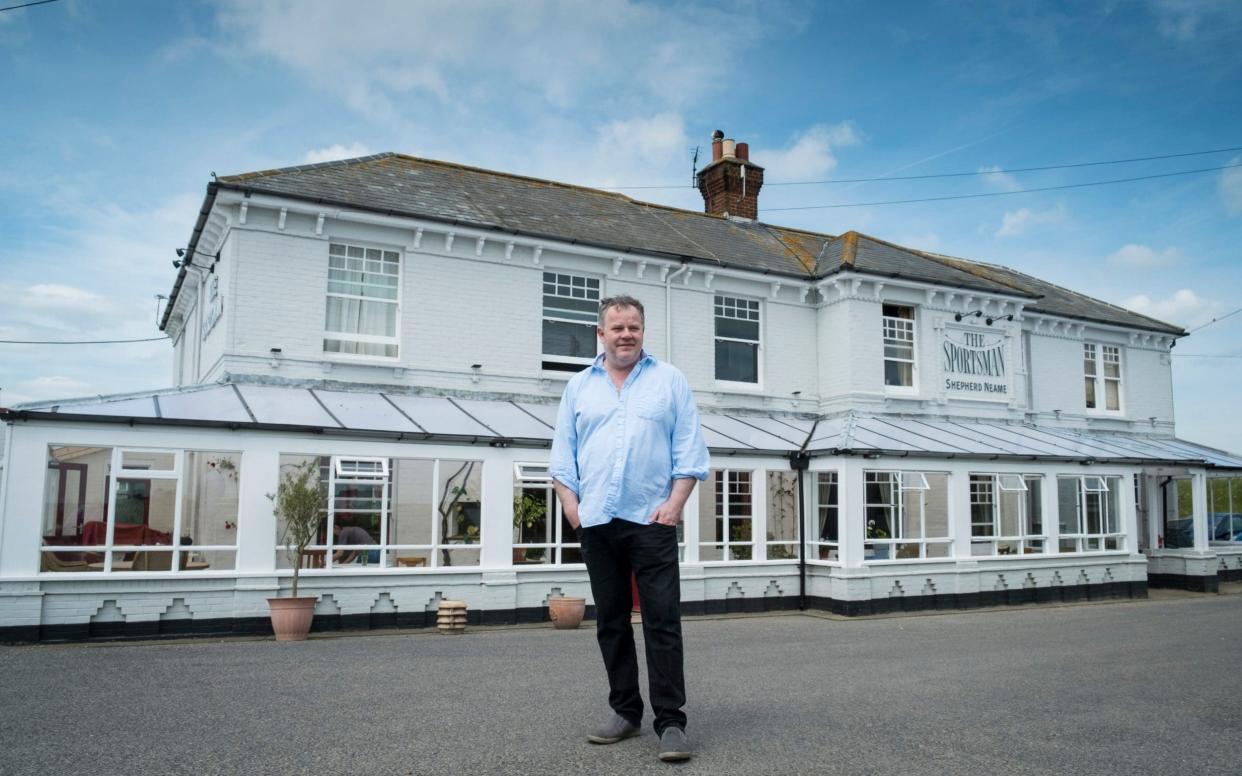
[616,729]
[674,746]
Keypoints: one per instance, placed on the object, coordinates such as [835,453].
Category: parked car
[1226,526]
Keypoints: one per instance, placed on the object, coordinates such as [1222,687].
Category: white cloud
[1231,186]
[1184,308]
[1017,222]
[335,152]
[646,139]
[399,53]
[53,387]
[61,298]
[809,155]
[928,241]
[1182,20]
[1145,257]
[1001,180]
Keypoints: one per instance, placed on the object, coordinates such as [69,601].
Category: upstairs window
[570,316]
[898,323]
[363,301]
[1102,376]
[737,339]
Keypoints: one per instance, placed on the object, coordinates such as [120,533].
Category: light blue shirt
[621,450]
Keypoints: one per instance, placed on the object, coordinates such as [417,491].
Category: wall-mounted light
[275,362]
[181,253]
[959,316]
[990,321]
[474,368]
[176,264]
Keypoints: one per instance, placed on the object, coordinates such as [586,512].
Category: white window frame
[395,340]
[894,323]
[114,474]
[996,543]
[818,548]
[1233,506]
[530,476]
[884,549]
[1100,353]
[1080,540]
[735,303]
[726,546]
[544,317]
[329,474]
[776,546]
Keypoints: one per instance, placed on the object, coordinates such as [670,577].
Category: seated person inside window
[352,534]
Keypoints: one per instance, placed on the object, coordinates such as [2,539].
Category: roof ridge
[1079,294]
[245,176]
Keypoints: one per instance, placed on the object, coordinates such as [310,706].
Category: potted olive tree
[298,502]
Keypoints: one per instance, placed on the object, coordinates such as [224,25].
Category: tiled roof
[405,185]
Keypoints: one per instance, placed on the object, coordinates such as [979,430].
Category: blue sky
[115,112]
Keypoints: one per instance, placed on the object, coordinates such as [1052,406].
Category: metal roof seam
[335,419]
[393,404]
[245,405]
[472,417]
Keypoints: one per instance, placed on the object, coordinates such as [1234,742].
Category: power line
[27,5]
[975,173]
[1006,193]
[1214,320]
[78,342]
[1204,355]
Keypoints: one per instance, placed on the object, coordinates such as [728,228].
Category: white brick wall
[473,304]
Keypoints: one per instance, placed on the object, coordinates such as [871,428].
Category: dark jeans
[611,552]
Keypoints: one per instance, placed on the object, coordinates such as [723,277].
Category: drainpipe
[668,312]
[800,461]
[1164,513]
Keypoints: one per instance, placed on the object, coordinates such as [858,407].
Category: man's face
[622,336]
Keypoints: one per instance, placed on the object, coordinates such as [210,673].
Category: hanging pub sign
[975,363]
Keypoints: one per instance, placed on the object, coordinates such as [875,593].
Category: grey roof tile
[405,185]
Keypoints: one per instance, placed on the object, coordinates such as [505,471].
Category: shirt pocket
[652,406]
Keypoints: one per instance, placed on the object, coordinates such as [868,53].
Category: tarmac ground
[1134,687]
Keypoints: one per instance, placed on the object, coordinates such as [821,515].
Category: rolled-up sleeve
[690,456]
[563,463]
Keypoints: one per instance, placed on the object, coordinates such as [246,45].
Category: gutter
[209,202]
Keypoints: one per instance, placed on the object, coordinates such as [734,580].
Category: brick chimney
[730,184]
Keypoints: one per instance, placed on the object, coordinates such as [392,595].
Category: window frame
[758,308]
[1082,540]
[897,322]
[885,549]
[1232,502]
[552,362]
[724,520]
[531,478]
[113,474]
[820,548]
[1026,541]
[1097,381]
[368,339]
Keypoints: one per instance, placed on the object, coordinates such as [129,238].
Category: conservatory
[153,515]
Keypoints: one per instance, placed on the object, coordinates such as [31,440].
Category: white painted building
[935,432]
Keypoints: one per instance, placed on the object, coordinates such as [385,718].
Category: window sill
[730,386]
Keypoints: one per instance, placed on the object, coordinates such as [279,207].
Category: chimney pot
[716,143]
[743,151]
[728,147]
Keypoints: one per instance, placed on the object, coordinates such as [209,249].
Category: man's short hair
[621,300]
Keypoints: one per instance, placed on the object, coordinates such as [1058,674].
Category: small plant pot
[566,611]
[291,617]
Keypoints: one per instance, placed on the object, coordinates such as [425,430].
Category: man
[349,534]
[627,452]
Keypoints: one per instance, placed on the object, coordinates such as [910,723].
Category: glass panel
[459,557]
[1112,395]
[144,511]
[911,515]
[148,461]
[144,560]
[1068,506]
[737,361]
[209,507]
[60,561]
[1112,507]
[711,502]
[936,550]
[1011,513]
[936,506]
[1094,503]
[913,481]
[898,374]
[288,464]
[982,506]
[1089,385]
[409,559]
[359,348]
[1011,482]
[459,503]
[410,519]
[1034,514]
[729,327]
[782,506]
[827,505]
[575,340]
[75,501]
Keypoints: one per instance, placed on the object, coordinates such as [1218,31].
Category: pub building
[890,429]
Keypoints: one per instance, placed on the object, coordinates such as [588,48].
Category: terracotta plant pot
[566,611]
[291,617]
